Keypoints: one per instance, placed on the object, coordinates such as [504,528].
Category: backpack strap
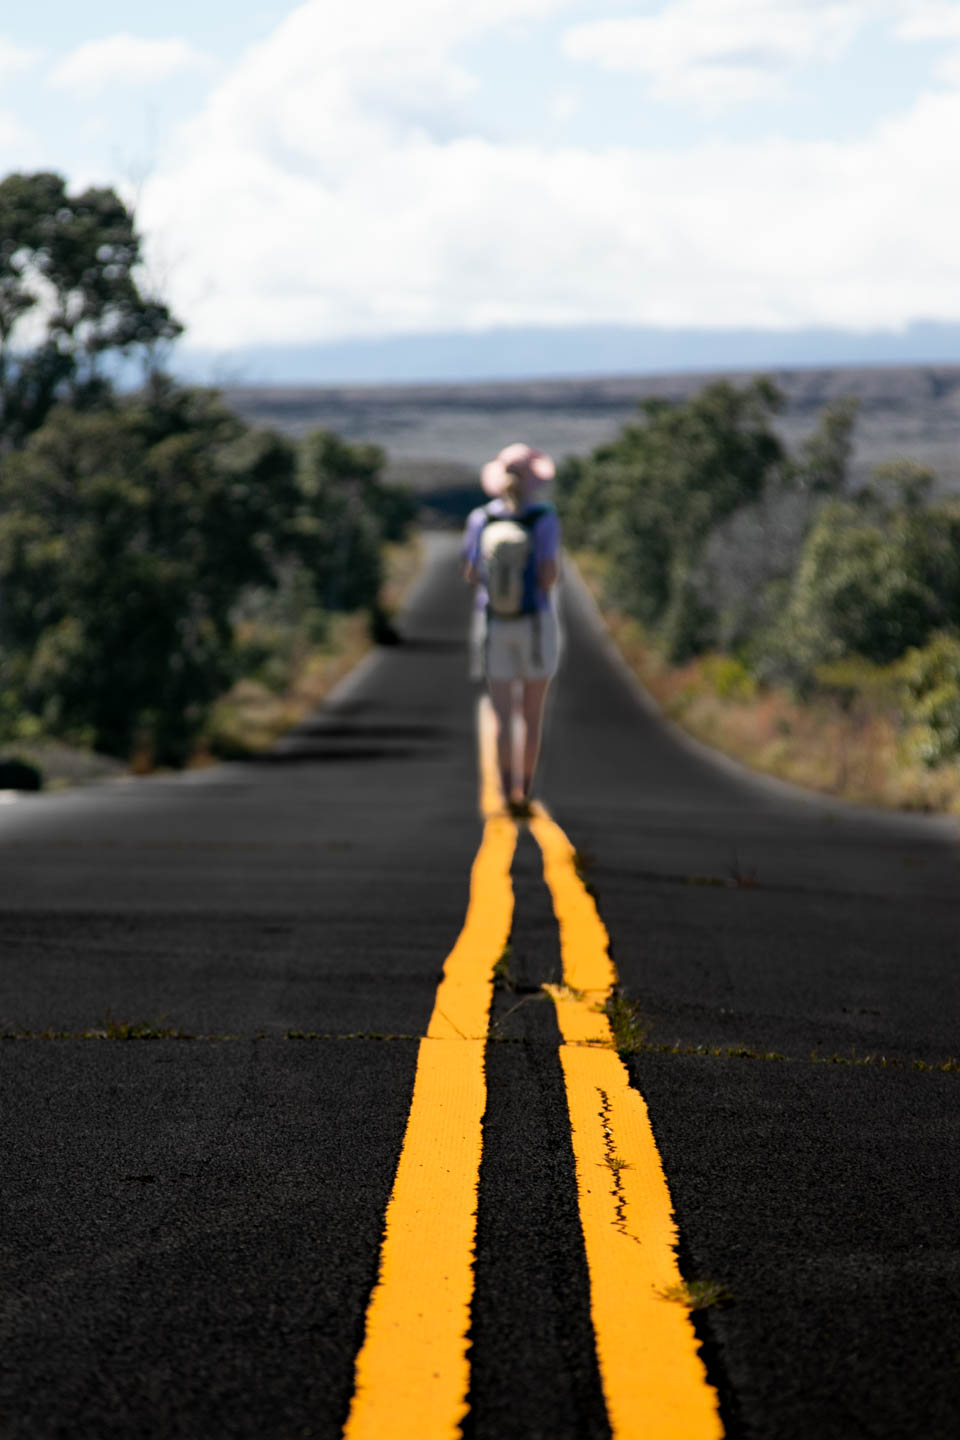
[530,607]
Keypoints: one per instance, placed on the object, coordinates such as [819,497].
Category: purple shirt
[545,536]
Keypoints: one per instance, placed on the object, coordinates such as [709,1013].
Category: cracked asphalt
[190,1226]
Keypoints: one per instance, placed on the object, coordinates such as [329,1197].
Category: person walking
[510,553]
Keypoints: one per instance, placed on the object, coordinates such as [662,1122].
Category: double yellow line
[412,1372]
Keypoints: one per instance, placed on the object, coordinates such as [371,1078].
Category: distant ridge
[576,351]
[438,435]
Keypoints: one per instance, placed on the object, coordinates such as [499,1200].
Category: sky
[330,173]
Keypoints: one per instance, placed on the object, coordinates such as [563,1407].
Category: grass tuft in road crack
[950,1066]
[503,977]
[113,1029]
[631,1031]
[697,1294]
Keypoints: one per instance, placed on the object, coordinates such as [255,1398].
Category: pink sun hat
[532,468]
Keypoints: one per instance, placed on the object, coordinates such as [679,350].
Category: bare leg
[501,697]
[534,701]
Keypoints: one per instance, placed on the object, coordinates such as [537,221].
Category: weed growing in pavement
[114,1029]
[631,1032]
[616,1163]
[110,1028]
[697,1294]
[563,992]
[721,1052]
[630,1038]
[886,1062]
[349,1035]
[503,978]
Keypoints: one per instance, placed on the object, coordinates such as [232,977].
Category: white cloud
[719,51]
[564,106]
[331,188]
[11,131]
[934,20]
[930,20]
[15,57]
[99,65]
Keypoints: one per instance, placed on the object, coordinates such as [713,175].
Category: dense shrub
[929,681]
[139,537]
[131,539]
[72,299]
[872,582]
[857,590]
[650,500]
[718,540]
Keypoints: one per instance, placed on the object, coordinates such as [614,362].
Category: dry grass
[630,1030]
[403,565]
[697,1294]
[856,755]
[251,716]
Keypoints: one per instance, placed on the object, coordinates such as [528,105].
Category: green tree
[650,499]
[751,556]
[348,513]
[135,532]
[823,466]
[126,536]
[929,683]
[132,536]
[872,582]
[898,484]
[68,265]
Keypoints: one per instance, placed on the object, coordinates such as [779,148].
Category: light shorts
[527,648]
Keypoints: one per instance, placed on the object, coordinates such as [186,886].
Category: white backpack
[506,547]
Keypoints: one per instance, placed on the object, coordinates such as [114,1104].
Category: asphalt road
[190,1226]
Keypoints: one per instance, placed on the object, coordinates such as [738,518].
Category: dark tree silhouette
[69,297]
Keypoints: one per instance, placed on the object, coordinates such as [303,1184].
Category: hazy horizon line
[569,352]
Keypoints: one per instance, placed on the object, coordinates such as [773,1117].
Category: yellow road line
[412,1373]
[654,1381]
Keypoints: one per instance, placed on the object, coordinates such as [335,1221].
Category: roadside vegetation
[174,585]
[804,625]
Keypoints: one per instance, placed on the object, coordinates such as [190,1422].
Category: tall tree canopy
[715,537]
[69,296]
[129,535]
[133,530]
[650,499]
[126,536]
